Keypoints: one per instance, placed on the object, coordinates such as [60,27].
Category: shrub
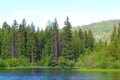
[70,63]
[13,62]
[61,62]
[3,63]
[116,64]
[23,61]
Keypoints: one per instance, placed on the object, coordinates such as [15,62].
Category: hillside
[102,30]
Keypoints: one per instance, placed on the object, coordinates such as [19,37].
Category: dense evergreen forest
[22,45]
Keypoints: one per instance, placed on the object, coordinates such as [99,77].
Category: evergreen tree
[81,35]
[5,42]
[67,39]
[32,27]
[21,39]
[13,39]
[60,42]
[38,45]
[75,45]
[90,40]
[41,41]
[114,34]
[31,46]
[114,46]
[24,23]
[119,31]
[5,26]
[48,51]
[85,39]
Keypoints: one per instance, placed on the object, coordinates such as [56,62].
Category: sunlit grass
[97,70]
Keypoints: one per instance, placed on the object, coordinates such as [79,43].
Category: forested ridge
[22,45]
[101,30]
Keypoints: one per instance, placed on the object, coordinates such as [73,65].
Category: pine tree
[91,40]
[24,23]
[82,39]
[48,51]
[5,26]
[31,46]
[81,35]
[5,42]
[86,39]
[114,34]
[114,45]
[38,45]
[67,39]
[13,51]
[21,40]
[77,46]
[119,31]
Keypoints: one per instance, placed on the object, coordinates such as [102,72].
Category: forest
[23,45]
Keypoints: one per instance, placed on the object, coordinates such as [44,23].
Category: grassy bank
[97,70]
[74,69]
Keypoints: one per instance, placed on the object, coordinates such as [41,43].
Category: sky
[80,12]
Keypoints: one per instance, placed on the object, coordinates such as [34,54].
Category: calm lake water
[55,74]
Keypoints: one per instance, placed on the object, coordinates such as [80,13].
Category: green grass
[27,67]
[98,70]
[74,69]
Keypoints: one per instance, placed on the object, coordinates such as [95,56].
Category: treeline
[22,45]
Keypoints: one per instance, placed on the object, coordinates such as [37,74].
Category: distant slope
[101,30]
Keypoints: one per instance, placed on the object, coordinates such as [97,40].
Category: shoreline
[74,68]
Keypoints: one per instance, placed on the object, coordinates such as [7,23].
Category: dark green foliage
[67,41]
[78,45]
[48,51]
[5,42]
[14,62]
[22,45]
[61,62]
[90,40]
[3,63]
[114,46]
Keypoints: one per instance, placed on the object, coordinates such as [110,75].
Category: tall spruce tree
[38,45]
[31,46]
[114,46]
[5,42]
[20,41]
[81,35]
[119,30]
[48,51]
[13,39]
[76,46]
[67,39]
[90,40]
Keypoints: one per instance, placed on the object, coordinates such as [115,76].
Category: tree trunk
[55,46]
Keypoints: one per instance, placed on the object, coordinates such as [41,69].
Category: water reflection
[55,74]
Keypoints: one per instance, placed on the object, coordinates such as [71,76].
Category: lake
[55,74]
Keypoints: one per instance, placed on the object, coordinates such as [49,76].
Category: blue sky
[39,12]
